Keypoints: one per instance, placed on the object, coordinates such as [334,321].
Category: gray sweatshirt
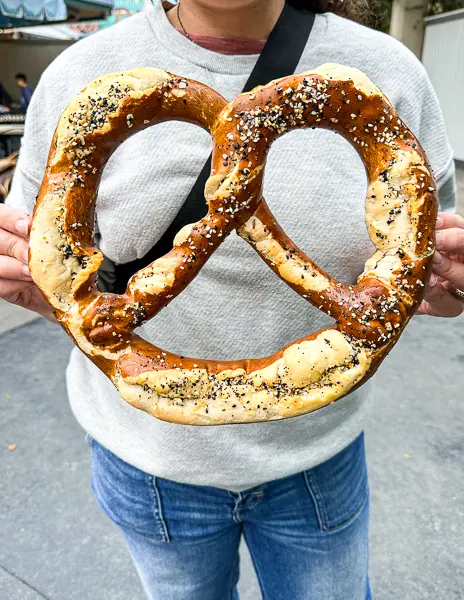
[315,185]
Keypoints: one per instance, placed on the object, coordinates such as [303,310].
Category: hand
[16,285]
[448,269]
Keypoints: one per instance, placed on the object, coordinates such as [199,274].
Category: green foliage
[381,10]
[381,13]
[438,7]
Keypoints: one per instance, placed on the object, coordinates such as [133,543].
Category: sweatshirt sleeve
[420,109]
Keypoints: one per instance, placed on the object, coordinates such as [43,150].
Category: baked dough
[401,205]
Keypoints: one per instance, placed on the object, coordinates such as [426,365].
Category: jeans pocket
[127,495]
[339,487]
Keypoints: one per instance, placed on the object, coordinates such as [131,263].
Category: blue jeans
[307,533]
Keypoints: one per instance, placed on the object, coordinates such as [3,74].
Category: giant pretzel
[307,374]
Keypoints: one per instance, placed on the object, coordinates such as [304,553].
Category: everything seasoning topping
[93,113]
[368,318]
[238,391]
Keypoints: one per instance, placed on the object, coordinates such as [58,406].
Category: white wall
[28,56]
[443,57]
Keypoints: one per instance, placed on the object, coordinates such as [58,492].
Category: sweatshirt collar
[177,43]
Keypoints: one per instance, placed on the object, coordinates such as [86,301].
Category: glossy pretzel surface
[307,374]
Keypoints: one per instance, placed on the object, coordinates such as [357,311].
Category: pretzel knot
[307,374]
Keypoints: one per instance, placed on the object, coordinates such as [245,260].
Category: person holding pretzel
[296,489]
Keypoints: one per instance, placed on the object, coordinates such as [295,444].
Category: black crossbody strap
[279,57]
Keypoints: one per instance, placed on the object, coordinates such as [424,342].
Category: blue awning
[20,13]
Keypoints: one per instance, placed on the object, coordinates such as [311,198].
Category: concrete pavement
[13,316]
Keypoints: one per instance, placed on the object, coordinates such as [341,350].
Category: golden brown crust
[401,209]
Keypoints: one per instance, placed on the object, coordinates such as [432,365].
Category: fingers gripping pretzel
[401,209]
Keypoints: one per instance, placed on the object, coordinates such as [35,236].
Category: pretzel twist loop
[401,205]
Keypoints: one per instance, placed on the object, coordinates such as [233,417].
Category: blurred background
[55,543]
